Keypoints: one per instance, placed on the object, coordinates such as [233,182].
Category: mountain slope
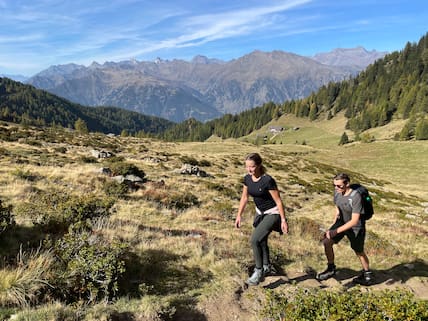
[203,88]
[21,103]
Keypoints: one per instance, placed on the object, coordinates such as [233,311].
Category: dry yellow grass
[195,254]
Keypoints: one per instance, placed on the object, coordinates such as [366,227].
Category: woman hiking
[270,213]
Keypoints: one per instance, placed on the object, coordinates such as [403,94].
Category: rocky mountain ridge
[202,88]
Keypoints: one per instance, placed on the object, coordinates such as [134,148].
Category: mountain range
[202,88]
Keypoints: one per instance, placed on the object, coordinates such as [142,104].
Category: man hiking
[349,222]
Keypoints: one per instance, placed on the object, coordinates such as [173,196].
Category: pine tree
[344,139]
[80,126]
[421,130]
[406,131]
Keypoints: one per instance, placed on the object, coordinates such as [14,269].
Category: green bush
[91,266]
[88,159]
[352,305]
[56,210]
[115,189]
[123,168]
[189,160]
[205,163]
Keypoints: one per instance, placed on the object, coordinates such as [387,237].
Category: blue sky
[35,34]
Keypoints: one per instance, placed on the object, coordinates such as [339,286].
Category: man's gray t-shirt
[348,205]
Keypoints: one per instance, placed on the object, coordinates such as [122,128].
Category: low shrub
[91,266]
[123,168]
[205,163]
[352,305]
[56,210]
[115,189]
[189,160]
[88,159]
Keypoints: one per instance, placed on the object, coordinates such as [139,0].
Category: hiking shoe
[269,270]
[365,278]
[328,273]
[256,277]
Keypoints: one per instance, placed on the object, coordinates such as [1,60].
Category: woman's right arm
[242,203]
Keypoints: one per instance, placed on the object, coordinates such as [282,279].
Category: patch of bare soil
[229,306]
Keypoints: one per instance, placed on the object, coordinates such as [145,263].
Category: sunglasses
[339,186]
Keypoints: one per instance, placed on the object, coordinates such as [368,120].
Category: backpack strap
[354,191]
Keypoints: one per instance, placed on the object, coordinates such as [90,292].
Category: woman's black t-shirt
[260,191]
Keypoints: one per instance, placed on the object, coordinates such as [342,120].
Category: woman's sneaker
[365,278]
[256,277]
[328,273]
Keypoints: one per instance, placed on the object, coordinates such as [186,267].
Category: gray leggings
[259,239]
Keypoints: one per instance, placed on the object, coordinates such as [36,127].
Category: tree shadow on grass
[160,272]
[18,238]
[185,310]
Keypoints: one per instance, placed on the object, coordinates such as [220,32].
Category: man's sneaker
[365,278]
[269,270]
[328,273]
[256,277]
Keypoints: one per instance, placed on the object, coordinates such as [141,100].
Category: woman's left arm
[277,198]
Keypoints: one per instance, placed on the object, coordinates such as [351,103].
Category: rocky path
[411,276]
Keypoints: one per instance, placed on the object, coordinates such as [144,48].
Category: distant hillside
[20,78]
[358,57]
[394,87]
[25,104]
[203,88]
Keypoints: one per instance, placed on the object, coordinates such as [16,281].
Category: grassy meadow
[184,260]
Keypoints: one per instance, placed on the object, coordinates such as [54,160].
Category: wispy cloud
[200,29]
[48,32]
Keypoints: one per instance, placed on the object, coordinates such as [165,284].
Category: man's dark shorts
[357,241]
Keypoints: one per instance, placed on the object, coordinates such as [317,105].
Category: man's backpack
[366,200]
